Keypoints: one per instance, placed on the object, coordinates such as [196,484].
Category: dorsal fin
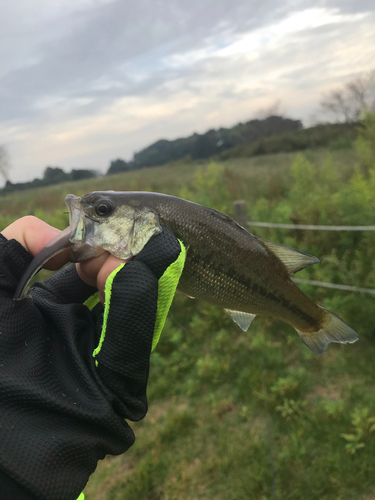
[293,259]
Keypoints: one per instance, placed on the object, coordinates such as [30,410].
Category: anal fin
[242,319]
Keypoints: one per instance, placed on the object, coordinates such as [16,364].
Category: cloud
[113,44]
[86,81]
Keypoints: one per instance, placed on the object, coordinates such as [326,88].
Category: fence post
[240,212]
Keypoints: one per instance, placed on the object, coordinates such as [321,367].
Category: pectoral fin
[242,319]
[292,259]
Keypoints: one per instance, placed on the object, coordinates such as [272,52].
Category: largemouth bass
[225,265]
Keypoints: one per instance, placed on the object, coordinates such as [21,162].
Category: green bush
[365,143]
[334,136]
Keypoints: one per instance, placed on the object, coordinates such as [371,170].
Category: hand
[72,370]
[34,234]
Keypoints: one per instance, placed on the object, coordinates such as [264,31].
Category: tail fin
[334,330]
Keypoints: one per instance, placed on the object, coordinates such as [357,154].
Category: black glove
[70,373]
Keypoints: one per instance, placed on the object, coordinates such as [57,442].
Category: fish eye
[103,208]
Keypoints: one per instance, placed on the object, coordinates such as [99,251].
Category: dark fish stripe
[254,288]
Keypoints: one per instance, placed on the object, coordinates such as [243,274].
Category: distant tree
[4,162]
[79,174]
[213,142]
[205,145]
[346,104]
[54,175]
[117,166]
[276,108]
[8,186]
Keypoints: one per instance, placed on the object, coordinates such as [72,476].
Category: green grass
[222,401]
[206,434]
[246,177]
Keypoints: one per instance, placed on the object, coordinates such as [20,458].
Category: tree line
[202,146]
[52,175]
[268,134]
[196,147]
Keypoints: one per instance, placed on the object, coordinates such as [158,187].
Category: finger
[88,270]
[34,234]
[95,271]
[108,267]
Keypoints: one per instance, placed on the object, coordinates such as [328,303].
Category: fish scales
[225,265]
[255,281]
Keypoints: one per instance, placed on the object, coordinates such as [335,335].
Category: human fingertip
[108,267]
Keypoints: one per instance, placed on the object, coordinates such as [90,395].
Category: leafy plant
[291,409]
[285,386]
[363,427]
[331,409]
[208,187]
[211,367]
[365,142]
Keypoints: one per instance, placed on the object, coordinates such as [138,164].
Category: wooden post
[240,212]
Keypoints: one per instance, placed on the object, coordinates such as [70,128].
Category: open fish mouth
[78,236]
[83,231]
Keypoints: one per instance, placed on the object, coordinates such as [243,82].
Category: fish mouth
[57,245]
[83,230]
[78,236]
[74,208]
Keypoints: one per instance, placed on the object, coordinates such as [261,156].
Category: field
[237,416]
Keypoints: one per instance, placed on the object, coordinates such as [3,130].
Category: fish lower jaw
[80,252]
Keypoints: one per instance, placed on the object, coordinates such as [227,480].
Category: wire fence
[310,227]
[334,285]
[240,214]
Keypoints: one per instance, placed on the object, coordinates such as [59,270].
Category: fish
[225,265]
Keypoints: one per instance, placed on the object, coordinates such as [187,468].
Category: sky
[83,82]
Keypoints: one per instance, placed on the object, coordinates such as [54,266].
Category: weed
[285,387]
[363,426]
[331,409]
[291,409]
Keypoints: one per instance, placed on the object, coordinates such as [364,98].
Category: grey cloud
[302,62]
[350,6]
[97,43]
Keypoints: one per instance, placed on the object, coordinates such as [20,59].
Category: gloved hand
[72,370]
